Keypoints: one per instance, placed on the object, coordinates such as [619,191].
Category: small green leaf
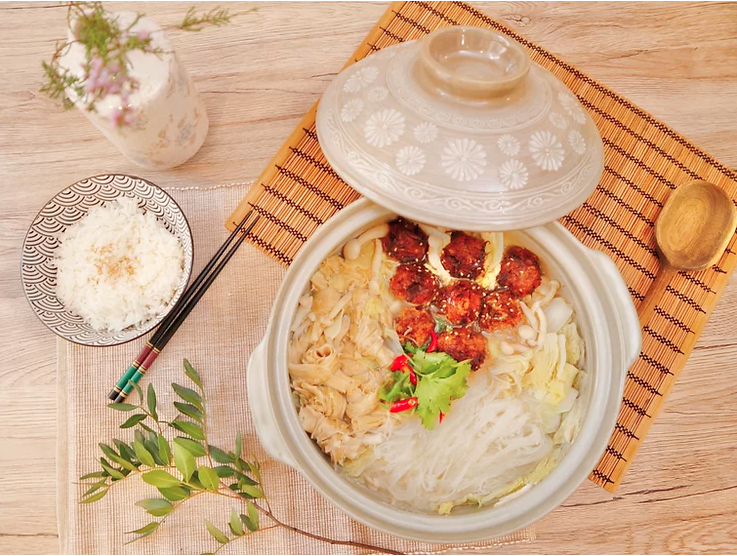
[190,411]
[245,479]
[164,450]
[188,395]
[184,461]
[174,493]
[255,468]
[253,514]
[191,373]
[94,488]
[160,478]
[145,426]
[224,471]
[133,420]
[107,450]
[144,531]
[208,477]
[235,524]
[95,497]
[152,445]
[192,446]
[92,475]
[238,445]
[114,473]
[138,390]
[122,406]
[189,428]
[157,507]
[125,464]
[138,435]
[125,450]
[195,483]
[151,399]
[143,455]
[250,490]
[247,522]
[219,455]
[216,533]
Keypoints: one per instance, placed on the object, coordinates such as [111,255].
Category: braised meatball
[414,325]
[520,271]
[460,302]
[414,283]
[464,256]
[464,344]
[499,309]
[405,242]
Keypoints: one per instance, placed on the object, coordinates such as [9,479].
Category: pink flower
[96,64]
[116,117]
[143,34]
[128,118]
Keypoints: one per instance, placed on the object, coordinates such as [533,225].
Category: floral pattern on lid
[532,153]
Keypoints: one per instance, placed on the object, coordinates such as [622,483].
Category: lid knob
[471,63]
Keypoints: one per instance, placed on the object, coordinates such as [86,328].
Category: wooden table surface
[258,76]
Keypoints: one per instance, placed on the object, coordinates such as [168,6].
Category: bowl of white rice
[106,259]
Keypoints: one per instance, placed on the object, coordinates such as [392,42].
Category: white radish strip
[305,304]
[530,315]
[506,348]
[540,314]
[561,355]
[395,307]
[526,332]
[342,302]
[352,248]
[332,331]
[432,232]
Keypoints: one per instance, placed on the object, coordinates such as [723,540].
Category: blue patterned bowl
[38,271]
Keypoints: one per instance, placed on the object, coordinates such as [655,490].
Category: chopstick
[173,321]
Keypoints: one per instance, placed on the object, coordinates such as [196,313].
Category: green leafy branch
[186,467]
[216,16]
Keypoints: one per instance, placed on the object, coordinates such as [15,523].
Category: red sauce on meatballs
[414,325]
[405,242]
[520,271]
[464,344]
[500,309]
[464,256]
[414,283]
[460,302]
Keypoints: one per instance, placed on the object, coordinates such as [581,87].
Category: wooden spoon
[692,232]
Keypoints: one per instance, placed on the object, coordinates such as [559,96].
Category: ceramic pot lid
[461,129]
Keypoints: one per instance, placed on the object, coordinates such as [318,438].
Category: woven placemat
[645,160]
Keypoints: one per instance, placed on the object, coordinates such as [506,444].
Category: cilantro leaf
[396,388]
[436,390]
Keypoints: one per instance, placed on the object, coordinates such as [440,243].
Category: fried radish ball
[520,271]
[460,302]
[464,256]
[405,242]
[414,283]
[414,325]
[463,344]
[499,310]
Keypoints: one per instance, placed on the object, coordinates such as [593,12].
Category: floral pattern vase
[169,121]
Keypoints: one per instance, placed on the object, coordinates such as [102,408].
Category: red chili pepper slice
[399,362]
[412,377]
[441,417]
[403,405]
[433,342]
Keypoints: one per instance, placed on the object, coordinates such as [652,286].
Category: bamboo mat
[644,161]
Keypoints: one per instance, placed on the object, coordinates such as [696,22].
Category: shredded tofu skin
[521,412]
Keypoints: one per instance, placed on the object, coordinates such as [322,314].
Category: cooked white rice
[118,266]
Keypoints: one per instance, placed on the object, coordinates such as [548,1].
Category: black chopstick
[180,312]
